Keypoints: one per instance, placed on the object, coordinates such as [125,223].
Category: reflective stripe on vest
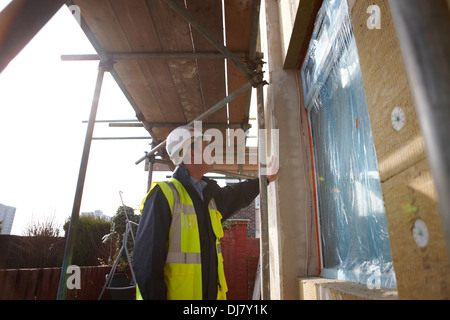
[216,222]
[182,271]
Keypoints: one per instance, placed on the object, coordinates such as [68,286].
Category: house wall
[408,188]
[407,184]
[293,250]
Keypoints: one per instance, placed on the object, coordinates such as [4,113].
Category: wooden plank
[3,278]
[157,85]
[237,107]
[174,34]
[211,72]
[109,25]
[20,287]
[176,90]
[18,284]
[99,16]
[48,283]
[117,31]
[238,15]
[160,82]
[54,282]
[7,281]
[31,285]
[132,75]
[137,25]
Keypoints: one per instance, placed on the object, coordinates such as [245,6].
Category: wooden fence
[42,284]
[240,254]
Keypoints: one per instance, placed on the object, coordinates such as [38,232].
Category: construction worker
[177,254]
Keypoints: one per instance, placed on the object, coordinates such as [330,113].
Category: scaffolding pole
[264,261]
[423,29]
[151,162]
[263,204]
[119,56]
[71,234]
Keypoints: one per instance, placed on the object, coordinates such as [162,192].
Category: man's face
[208,154]
[206,157]
[200,157]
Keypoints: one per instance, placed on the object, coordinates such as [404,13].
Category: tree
[89,250]
[118,229]
[41,244]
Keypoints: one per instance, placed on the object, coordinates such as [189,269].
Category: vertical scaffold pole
[71,234]
[263,209]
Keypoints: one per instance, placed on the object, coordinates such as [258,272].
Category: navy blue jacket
[150,249]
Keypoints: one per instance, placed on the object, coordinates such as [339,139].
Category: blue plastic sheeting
[355,243]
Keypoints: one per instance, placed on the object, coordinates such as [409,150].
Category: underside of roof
[170,72]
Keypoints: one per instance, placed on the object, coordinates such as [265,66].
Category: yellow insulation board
[408,188]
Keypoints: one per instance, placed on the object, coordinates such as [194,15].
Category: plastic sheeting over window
[354,238]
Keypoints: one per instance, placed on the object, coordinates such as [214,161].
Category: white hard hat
[178,142]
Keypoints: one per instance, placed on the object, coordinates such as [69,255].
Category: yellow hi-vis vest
[183,269]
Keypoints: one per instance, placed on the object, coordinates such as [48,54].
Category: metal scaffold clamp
[106,65]
[257,77]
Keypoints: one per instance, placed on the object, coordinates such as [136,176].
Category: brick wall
[240,261]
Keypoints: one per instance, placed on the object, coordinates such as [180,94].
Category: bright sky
[43,102]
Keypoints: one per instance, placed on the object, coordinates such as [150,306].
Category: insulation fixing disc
[398,118]
[420,233]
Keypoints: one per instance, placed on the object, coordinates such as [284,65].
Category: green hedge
[89,248]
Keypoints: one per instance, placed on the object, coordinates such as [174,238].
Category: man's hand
[272,169]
